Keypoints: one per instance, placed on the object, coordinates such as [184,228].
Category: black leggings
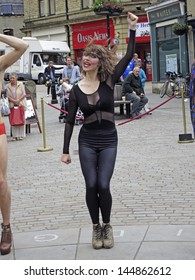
[97,166]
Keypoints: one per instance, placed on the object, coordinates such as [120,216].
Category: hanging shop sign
[97,31]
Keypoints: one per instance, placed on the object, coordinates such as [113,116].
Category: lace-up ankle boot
[107,233]
[6,239]
[97,237]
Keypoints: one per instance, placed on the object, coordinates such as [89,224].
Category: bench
[123,104]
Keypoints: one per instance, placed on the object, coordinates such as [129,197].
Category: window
[165,32]
[7,10]
[52,8]
[86,3]
[8,31]
[36,60]
[41,8]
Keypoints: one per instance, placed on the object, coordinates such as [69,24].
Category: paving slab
[121,234]
[120,251]
[166,251]
[171,233]
[46,238]
[60,252]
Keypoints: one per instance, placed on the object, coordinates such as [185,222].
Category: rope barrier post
[44,148]
[186,137]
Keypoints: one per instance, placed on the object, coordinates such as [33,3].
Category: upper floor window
[7,10]
[52,7]
[41,8]
[86,3]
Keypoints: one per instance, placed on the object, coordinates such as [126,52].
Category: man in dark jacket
[133,91]
[50,75]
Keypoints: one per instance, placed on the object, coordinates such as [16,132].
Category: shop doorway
[144,53]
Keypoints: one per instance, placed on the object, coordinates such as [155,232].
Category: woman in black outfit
[94,95]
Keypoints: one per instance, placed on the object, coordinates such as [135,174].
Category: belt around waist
[98,116]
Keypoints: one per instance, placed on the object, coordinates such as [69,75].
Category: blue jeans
[138,102]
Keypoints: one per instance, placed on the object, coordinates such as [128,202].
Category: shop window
[41,8]
[169,60]
[165,32]
[52,7]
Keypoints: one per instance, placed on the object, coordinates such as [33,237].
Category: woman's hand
[66,158]
[132,20]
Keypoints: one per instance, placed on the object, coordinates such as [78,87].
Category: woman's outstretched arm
[19,47]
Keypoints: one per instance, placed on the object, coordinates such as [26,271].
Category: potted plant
[180,28]
[113,7]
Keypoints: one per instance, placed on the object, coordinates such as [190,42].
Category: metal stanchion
[186,137]
[44,148]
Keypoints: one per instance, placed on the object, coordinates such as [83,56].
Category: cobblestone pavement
[153,182]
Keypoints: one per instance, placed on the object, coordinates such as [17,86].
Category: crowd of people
[133,82]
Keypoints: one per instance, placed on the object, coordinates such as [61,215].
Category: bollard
[53,94]
[186,137]
[44,148]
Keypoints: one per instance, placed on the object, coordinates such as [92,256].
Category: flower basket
[105,7]
[180,29]
[101,11]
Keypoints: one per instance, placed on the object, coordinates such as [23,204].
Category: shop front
[84,33]
[169,51]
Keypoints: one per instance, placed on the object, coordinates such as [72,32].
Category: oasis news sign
[97,31]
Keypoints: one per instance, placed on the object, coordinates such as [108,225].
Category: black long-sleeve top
[100,101]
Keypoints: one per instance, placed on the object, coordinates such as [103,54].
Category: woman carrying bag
[17,100]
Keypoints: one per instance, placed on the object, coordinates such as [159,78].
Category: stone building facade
[75,22]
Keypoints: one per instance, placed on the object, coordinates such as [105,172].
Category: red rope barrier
[127,121]
[63,111]
[146,113]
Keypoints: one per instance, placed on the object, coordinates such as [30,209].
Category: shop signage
[142,31]
[164,13]
[97,31]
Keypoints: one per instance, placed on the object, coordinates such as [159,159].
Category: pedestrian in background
[6,60]
[143,78]
[17,98]
[98,140]
[132,90]
[49,76]
[71,71]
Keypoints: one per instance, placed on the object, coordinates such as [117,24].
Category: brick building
[74,22]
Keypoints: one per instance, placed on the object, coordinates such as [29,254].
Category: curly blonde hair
[107,59]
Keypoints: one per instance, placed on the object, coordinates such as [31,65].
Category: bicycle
[170,86]
[174,83]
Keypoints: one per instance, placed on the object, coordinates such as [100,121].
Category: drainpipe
[67,26]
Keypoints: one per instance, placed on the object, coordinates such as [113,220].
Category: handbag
[4,106]
[16,116]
